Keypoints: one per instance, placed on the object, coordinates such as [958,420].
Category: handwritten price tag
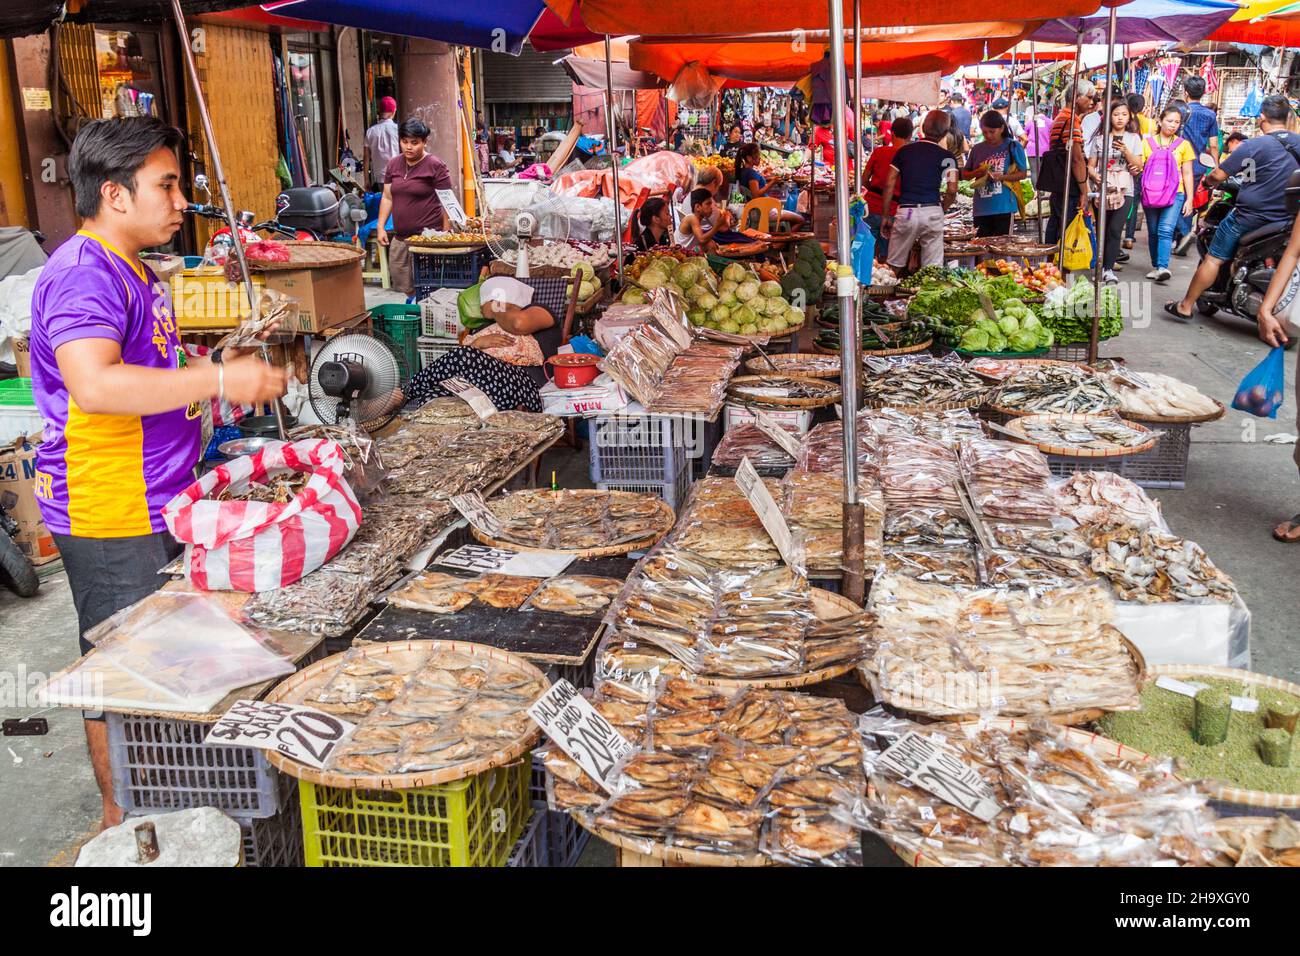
[475,510]
[764,505]
[926,764]
[303,734]
[580,731]
[472,396]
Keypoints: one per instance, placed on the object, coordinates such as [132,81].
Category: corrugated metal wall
[531,77]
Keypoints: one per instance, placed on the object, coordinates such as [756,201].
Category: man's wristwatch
[215,355]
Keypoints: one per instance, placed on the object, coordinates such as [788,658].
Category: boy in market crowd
[121,402]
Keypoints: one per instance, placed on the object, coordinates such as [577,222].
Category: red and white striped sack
[260,546]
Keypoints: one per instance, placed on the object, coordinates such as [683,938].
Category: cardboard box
[23,358]
[326,297]
[18,495]
[799,419]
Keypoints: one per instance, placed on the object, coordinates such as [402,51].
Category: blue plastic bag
[863,252]
[581,343]
[1254,100]
[1262,390]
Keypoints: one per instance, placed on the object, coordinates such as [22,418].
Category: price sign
[471,396]
[528,564]
[581,732]
[303,734]
[764,505]
[476,512]
[931,766]
[450,203]
[786,441]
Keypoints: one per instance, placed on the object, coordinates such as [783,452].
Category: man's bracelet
[221,382]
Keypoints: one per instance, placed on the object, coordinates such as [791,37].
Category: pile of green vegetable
[924,276]
[1068,312]
[905,335]
[808,273]
[976,313]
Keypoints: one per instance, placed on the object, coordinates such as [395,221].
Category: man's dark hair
[699,196]
[957,98]
[1136,103]
[111,151]
[1275,109]
[902,128]
[413,129]
[1195,87]
[1236,137]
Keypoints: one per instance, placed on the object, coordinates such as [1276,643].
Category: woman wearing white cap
[503,360]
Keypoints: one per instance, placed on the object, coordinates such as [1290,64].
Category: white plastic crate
[674,492]
[1164,466]
[439,315]
[432,349]
[737,414]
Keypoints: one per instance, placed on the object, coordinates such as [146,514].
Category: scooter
[319,213]
[1241,283]
[16,571]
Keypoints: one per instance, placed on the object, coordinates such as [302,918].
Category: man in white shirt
[382,144]
[1013,123]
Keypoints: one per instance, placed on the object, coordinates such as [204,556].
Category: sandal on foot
[1171,309]
[1292,533]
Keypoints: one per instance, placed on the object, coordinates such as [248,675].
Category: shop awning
[592,73]
[502,25]
[1169,21]
[780,61]
[1281,30]
[551,33]
[691,17]
[35,16]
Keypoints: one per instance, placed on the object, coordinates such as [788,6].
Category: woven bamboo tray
[758,366]
[309,254]
[1017,428]
[1242,825]
[828,606]
[1083,716]
[1026,361]
[1225,792]
[1170,420]
[907,350]
[1080,738]
[830,397]
[665,512]
[670,856]
[296,688]
[913,409]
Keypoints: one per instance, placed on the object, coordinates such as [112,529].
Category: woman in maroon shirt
[411,184]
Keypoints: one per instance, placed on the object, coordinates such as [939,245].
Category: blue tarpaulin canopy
[1164,21]
[500,26]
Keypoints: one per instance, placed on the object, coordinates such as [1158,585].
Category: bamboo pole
[1102,211]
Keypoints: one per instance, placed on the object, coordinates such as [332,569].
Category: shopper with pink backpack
[1166,188]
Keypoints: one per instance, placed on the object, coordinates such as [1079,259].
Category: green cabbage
[747,290]
[997,342]
[1024,340]
[770,288]
[975,340]
[735,272]
[1008,324]
[720,313]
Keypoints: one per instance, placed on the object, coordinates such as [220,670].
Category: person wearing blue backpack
[1264,164]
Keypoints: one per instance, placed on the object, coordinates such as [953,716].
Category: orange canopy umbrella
[1271,31]
[771,61]
[693,18]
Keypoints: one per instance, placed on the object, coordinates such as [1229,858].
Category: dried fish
[920,383]
[1153,568]
[1094,433]
[1055,388]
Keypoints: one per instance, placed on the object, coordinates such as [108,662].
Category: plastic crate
[276,840]
[531,848]
[1063,466]
[403,327]
[160,764]
[711,434]
[1164,466]
[440,314]
[472,822]
[641,448]
[18,414]
[565,838]
[674,492]
[430,349]
[448,270]
[1068,353]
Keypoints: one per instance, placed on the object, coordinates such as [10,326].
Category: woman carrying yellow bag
[997,164]
[1078,245]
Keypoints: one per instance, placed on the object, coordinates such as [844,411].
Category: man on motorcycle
[1263,164]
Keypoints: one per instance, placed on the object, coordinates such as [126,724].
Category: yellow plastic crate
[203,299]
[472,822]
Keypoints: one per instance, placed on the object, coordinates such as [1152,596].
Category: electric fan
[356,376]
[509,232]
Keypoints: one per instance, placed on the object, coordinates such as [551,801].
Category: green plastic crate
[472,822]
[17,391]
[402,324]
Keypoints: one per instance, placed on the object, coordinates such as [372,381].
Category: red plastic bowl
[574,370]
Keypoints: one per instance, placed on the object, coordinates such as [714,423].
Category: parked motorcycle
[1242,282]
[16,571]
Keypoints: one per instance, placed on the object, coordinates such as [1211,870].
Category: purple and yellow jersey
[106,476]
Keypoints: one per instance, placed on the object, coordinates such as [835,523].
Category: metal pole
[1073,94]
[1033,102]
[1101,205]
[217,170]
[857,95]
[850,330]
[611,136]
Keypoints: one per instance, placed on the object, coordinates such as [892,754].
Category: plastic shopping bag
[1254,101]
[260,546]
[863,252]
[1262,390]
[1078,245]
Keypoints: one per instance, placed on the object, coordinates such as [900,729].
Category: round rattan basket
[308,254]
[1017,426]
[830,394]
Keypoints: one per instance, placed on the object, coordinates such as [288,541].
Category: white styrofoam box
[798,418]
[440,315]
[18,420]
[1182,633]
[603,395]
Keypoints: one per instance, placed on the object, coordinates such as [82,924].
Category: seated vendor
[504,360]
[695,232]
[656,221]
[753,185]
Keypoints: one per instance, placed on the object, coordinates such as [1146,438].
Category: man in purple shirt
[120,402]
